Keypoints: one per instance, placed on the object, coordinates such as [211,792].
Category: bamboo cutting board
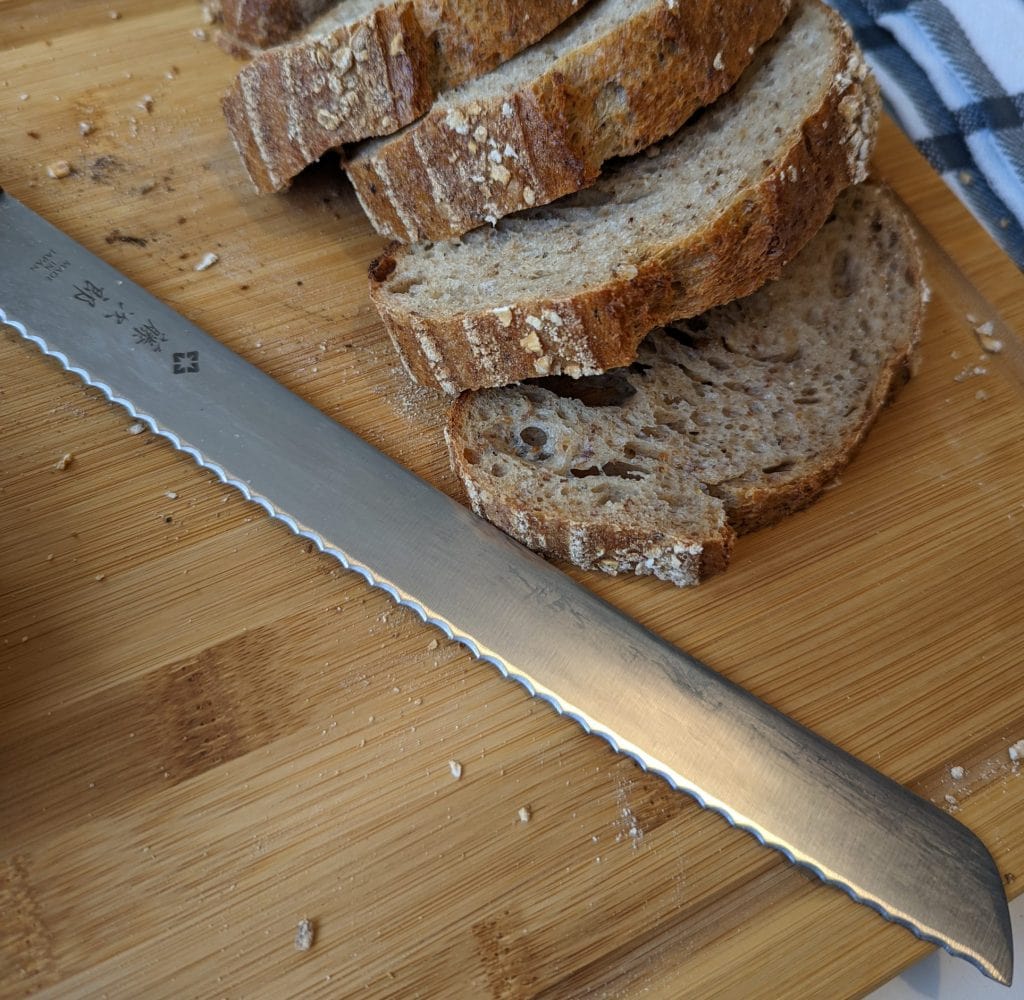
[209,731]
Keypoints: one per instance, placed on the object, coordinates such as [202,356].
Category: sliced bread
[620,75]
[365,68]
[572,288]
[724,423]
[250,25]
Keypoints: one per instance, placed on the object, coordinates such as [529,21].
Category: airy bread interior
[726,422]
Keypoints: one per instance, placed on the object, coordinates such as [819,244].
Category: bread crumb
[525,812]
[59,169]
[456,768]
[136,428]
[718,63]
[114,15]
[85,128]
[200,34]
[981,395]
[65,460]
[983,331]
[100,577]
[432,644]
[146,103]
[207,262]
[1016,751]
[971,371]
[952,803]
[956,773]
[171,495]
[304,935]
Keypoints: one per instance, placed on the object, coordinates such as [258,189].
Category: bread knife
[765,773]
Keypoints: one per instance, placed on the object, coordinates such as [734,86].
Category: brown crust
[748,245]
[612,97]
[747,508]
[292,104]
[250,25]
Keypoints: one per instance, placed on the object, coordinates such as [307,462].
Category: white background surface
[942,977]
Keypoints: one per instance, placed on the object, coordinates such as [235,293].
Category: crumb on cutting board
[456,768]
[59,169]
[64,461]
[136,428]
[304,935]
[956,773]
[525,812]
[208,261]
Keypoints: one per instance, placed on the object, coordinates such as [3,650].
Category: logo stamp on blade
[185,362]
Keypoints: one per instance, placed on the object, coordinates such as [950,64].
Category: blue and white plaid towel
[952,74]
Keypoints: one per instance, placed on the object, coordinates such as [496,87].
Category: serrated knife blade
[765,773]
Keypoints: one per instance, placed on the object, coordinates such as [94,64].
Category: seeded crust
[366,68]
[725,423]
[574,287]
[622,75]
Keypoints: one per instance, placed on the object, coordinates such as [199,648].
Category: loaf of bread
[367,67]
[725,422]
[617,77]
[572,288]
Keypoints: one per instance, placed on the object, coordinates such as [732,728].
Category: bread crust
[293,103]
[615,547]
[251,25]
[599,328]
[613,96]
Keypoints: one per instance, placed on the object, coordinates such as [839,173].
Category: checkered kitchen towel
[952,74]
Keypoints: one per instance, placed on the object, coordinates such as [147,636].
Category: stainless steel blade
[762,771]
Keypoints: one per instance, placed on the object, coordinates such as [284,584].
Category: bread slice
[724,423]
[250,25]
[574,287]
[619,76]
[367,67]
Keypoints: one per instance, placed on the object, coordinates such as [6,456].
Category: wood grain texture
[209,732]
